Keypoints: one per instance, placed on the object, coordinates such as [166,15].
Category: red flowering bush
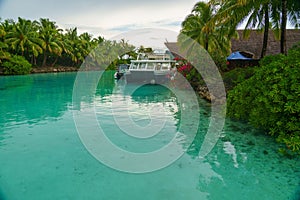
[177,58]
[185,69]
[188,71]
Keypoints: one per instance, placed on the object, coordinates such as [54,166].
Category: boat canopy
[237,56]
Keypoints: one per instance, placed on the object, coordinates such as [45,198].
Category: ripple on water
[42,156]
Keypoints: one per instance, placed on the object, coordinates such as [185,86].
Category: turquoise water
[42,156]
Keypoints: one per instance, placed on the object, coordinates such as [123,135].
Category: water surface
[42,156]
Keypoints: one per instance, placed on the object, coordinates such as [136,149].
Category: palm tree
[3,46]
[256,14]
[290,11]
[73,46]
[51,39]
[143,49]
[68,38]
[86,44]
[259,17]
[97,40]
[212,39]
[108,53]
[23,36]
[201,15]
[7,26]
[261,14]
[283,27]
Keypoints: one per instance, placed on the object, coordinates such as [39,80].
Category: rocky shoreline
[201,90]
[205,94]
[53,69]
[36,70]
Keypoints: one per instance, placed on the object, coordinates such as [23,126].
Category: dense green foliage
[16,65]
[214,24]
[270,98]
[215,40]
[266,96]
[42,43]
[220,61]
[236,76]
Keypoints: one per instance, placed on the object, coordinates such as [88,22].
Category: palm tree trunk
[55,61]
[34,60]
[206,42]
[266,31]
[45,59]
[283,27]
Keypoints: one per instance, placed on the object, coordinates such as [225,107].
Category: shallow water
[42,156]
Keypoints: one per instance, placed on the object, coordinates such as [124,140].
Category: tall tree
[290,12]
[86,44]
[212,38]
[97,40]
[283,27]
[255,14]
[4,54]
[258,14]
[72,46]
[51,39]
[23,36]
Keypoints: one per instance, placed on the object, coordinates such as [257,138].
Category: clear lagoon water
[42,156]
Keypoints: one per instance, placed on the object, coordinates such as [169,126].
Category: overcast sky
[106,18]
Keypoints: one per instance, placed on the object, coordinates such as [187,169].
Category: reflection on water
[133,112]
[230,149]
[43,157]
[34,98]
[139,120]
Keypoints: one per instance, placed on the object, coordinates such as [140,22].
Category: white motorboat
[151,68]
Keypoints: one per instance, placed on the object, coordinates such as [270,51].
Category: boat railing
[153,56]
[150,66]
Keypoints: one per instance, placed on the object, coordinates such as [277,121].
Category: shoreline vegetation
[27,44]
[266,96]
[56,69]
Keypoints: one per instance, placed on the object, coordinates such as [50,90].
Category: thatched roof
[174,49]
[253,44]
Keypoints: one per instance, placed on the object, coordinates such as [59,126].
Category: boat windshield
[142,65]
[150,65]
[133,66]
[165,66]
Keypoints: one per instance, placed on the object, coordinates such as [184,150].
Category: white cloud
[149,37]
[102,17]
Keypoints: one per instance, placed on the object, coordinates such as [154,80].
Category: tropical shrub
[270,98]
[236,76]
[16,65]
[189,72]
[185,69]
[219,60]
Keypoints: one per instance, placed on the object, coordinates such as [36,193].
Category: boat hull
[147,77]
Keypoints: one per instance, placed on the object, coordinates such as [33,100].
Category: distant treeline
[42,43]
